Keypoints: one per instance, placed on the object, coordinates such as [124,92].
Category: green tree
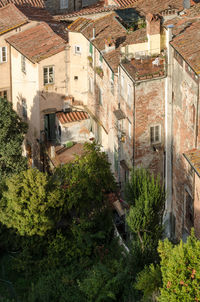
[32,203]
[180,267]
[146,197]
[12,131]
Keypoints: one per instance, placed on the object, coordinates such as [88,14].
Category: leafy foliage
[31,204]
[146,198]
[12,131]
[180,267]
[149,281]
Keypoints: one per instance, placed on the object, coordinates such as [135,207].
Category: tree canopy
[180,267]
[31,203]
[12,134]
[146,197]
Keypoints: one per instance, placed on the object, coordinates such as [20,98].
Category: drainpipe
[134,119]
[167,219]
[11,93]
[118,129]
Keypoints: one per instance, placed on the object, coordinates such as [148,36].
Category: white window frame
[23,64]
[48,68]
[64,4]
[77,49]
[1,54]
[153,139]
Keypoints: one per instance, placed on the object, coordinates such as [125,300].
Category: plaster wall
[184,98]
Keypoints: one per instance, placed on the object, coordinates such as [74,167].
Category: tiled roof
[27,3]
[125,3]
[94,9]
[67,155]
[158,6]
[108,27]
[144,69]
[187,43]
[37,43]
[73,116]
[193,157]
[10,18]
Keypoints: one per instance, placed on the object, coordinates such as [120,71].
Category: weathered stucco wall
[184,97]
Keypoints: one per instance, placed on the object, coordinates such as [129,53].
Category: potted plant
[99,71]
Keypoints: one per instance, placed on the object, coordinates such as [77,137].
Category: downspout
[134,119]
[167,219]
[118,129]
[11,94]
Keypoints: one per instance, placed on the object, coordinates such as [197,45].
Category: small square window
[155,134]
[75,78]
[63,4]
[77,49]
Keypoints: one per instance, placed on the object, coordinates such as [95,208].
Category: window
[77,49]
[63,4]
[4,94]
[48,75]
[100,96]
[155,134]
[189,211]
[23,64]
[75,78]
[91,48]
[112,83]
[129,95]
[100,58]
[24,108]
[3,54]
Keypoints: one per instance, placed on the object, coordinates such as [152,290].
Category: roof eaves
[18,25]
[191,164]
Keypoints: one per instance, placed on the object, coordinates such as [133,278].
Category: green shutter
[91,48]
[112,76]
[100,58]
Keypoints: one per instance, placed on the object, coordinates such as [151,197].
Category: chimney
[153,34]
[169,27]
[153,24]
[186,4]
[109,44]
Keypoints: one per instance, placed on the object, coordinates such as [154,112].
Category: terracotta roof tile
[108,27]
[11,17]
[158,6]
[144,69]
[73,116]
[187,43]
[27,3]
[193,157]
[37,43]
[93,9]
